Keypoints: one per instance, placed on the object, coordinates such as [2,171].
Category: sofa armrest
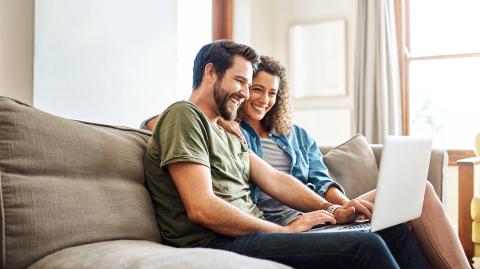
[436,172]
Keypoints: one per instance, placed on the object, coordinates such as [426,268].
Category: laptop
[401,185]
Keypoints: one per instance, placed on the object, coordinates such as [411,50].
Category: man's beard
[221,102]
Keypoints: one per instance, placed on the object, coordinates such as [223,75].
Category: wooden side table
[466,183]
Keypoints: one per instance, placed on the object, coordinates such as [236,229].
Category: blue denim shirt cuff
[144,123]
[324,188]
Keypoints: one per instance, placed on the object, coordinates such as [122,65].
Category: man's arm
[333,192]
[291,192]
[194,184]
[283,187]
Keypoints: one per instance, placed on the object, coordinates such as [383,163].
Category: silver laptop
[400,188]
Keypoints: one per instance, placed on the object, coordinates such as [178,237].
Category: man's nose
[245,92]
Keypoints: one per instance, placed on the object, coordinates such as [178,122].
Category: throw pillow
[353,165]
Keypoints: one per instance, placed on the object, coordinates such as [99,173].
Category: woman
[266,123]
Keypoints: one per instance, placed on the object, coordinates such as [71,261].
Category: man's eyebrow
[243,79]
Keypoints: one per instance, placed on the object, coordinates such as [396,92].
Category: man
[198,177]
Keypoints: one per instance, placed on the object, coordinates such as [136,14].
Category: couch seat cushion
[135,254]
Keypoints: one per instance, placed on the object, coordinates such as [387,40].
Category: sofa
[73,195]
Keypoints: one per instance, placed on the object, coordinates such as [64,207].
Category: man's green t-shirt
[184,134]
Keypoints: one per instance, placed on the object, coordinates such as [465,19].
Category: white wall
[16,49]
[105,61]
[264,25]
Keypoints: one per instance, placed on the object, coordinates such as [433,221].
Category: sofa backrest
[67,183]
[436,171]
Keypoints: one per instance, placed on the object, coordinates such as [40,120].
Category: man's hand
[306,221]
[352,210]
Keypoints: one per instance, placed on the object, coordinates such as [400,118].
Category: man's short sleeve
[183,135]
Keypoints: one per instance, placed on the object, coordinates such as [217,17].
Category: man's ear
[209,72]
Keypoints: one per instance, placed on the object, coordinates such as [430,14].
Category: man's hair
[220,54]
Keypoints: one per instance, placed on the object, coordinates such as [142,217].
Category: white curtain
[377,94]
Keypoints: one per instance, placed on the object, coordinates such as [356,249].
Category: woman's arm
[331,190]
[318,175]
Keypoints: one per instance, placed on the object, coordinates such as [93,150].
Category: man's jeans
[331,250]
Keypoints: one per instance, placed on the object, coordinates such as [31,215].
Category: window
[441,59]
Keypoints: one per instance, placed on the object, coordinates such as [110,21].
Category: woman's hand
[352,210]
[232,127]
[306,221]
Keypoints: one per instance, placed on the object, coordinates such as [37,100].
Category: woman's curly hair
[280,115]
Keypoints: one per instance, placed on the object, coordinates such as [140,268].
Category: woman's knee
[430,193]
[429,187]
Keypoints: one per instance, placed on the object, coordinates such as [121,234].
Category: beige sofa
[73,196]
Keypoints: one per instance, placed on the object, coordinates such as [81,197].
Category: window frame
[222,19]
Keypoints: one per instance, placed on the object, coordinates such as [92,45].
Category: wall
[105,61]
[264,25]
[16,49]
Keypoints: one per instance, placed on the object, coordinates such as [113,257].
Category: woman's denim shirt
[306,160]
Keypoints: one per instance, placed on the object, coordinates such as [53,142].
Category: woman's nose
[264,98]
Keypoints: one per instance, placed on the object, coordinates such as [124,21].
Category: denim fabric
[144,123]
[390,248]
[306,160]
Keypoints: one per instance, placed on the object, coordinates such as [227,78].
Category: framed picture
[318,58]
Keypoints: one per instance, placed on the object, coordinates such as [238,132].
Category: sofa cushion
[353,165]
[66,183]
[135,254]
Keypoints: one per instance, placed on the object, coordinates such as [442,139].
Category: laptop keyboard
[356,226]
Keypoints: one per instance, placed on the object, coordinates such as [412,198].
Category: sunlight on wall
[116,62]
[192,35]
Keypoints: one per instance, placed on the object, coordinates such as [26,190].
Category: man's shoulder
[182,116]
[182,107]
[182,112]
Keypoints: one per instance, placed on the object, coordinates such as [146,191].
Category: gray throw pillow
[353,165]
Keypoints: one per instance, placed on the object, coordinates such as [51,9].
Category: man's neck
[205,103]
